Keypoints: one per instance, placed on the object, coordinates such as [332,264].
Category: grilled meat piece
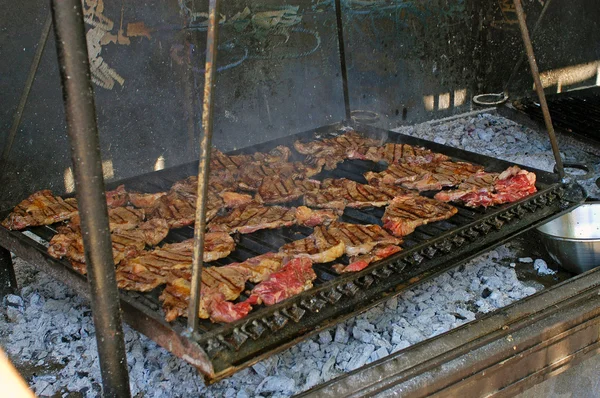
[117,197]
[277,189]
[119,219]
[218,284]
[477,183]
[220,161]
[396,174]
[512,184]
[179,209]
[260,267]
[320,247]
[178,256]
[443,174]
[358,263]
[225,311]
[361,239]
[235,199]
[145,200]
[397,153]
[251,176]
[41,208]
[294,277]
[329,152]
[253,217]
[125,243]
[341,193]
[405,213]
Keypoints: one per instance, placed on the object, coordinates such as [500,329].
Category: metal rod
[8,280]
[85,151]
[342,48]
[521,58]
[35,63]
[204,163]
[538,87]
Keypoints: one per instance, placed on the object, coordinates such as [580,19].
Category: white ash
[526,260]
[47,326]
[49,329]
[542,267]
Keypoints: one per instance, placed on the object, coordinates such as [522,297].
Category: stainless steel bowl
[573,239]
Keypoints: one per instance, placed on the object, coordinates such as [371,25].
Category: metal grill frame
[229,348]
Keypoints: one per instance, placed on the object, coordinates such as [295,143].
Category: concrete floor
[580,381]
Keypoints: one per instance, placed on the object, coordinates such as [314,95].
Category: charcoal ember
[325,337]
[380,353]
[341,335]
[313,378]
[400,346]
[360,357]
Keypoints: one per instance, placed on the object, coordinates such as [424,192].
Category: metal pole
[342,48]
[538,87]
[85,151]
[35,63]
[204,163]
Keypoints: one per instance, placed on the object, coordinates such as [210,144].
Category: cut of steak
[396,174]
[477,183]
[405,213]
[443,174]
[342,193]
[119,218]
[320,247]
[358,263]
[512,184]
[260,267]
[41,208]
[253,217]
[235,199]
[225,311]
[360,238]
[294,277]
[328,152]
[179,209]
[277,189]
[252,174]
[145,200]
[397,153]
[118,197]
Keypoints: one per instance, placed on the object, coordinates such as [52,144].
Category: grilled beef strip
[477,183]
[511,185]
[396,174]
[277,189]
[260,267]
[362,261]
[320,247]
[253,217]
[119,219]
[117,197]
[405,213]
[361,238]
[342,193]
[443,174]
[145,200]
[397,153]
[293,278]
[41,208]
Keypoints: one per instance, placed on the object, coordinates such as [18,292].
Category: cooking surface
[429,250]
[470,291]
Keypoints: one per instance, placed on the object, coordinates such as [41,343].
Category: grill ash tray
[219,350]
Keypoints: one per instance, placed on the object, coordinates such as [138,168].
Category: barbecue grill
[219,350]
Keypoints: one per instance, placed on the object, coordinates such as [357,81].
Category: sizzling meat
[406,213]
[360,262]
[320,247]
[41,208]
[251,176]
[477,183]
[179,209]
[444,174]
[294,277]
[341,193]
[396,174]
[397,153]
[253,217]
[277,189]
[118,197]
[512,184]
[145,200]
[119,219]
[361,238]
[260,267]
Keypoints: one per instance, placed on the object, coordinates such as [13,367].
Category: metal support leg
[342,49]
[8,280]
[538,87]
[204,164]
[85,150]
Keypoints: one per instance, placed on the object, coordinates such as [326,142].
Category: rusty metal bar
[538,87]
[35,63]
[85,151]
[342,49]
[204,164]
